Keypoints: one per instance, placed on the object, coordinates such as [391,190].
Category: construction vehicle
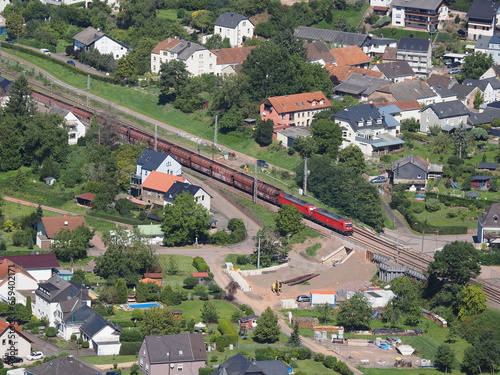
[276,287]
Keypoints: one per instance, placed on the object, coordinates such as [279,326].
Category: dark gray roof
[490,218]
[473,194]
[443,80]
[379,41]
[484,117]
[340,38]
[4,84]
[239,365]
[485,165]
[230,20]
[414,44]
[483,10]
[64,366]
[396,69]
[482,178]
[411,159]
[319,50]
[79,315]
[179,187]
[408,90]
[480,84]
[462,90]
[449,109]
[418,4]
[56,289]
[95,323]
[59,111]
[443,92]
[483,42]
[357,84]
[494,82]
[362,113]
[494,105]
[184,347]
[88,36]
[151,160]
[185,49]
[248,318]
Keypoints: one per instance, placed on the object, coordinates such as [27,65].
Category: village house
[76,128]
[39,266]
[230,60]
[239,365]
[4,91]
[482,19]
[494,48]
[401,110]
[406,90]
[235,27]
[396,71]
[339,74]
[200,195]
[352,56]
[197,58]
[92,38]
[185,353]
[155,186]
[444,94]
[18,340]
[417,52]
[364,126]
[318,52]
[293,110]
[447,115]
[247,323]
[102,335]
[488,225]
[442,80]
[287,136]
[48,227]
[421,14]
[486,88]
[414,170]
[64,366]
[466,94]
[24,284]
[360,86]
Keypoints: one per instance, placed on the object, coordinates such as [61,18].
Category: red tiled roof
[6,269]
[352,55]
[165,45]
[86,196]
[4,326]
[299,102]
[147,280]
[34,261]
[342,72]
[153,275]
[199,274]
[404,105]
[161,182]
[235,55]
[322,292]
[54,224]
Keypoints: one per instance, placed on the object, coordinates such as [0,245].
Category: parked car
[35,356]
[378,180]
[454,64]
[455,71]
[46,51]
[303,298]
[71,62]
[262,163]
[11,359]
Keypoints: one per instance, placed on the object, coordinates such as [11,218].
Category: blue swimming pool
[144,305]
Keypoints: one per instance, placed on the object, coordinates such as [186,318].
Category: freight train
[218,171]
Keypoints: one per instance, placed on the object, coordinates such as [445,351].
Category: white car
[35,356]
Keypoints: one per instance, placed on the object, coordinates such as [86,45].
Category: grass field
[109,359]
[185,265]
[393,371]
[394,33]
[351,16]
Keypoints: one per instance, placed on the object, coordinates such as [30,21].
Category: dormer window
[369,122]
[360,123]
[495,218]
[321,102]
[379,121]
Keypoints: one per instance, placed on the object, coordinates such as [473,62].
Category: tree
[138,314]
[29,309]
[406,301]
[171,297]
[355,312]
[324,311]
[478,99]
[71,245]
[172,267]
[184,221]
[410,125]
[457,262]
[472,301]
[461,141]
[294,339]
[480,135]
[121,291]
[173,76]
[268,329]
[271,248]
[126,69]
[160,321]
[328,136]
[14,25]
[21,103]
[353,157]
[289,221]
[216,42]
[476,64]
[264,132]
[445,358]
[134,370]
[305,146]
[209,313]
[79,277]
[483,355]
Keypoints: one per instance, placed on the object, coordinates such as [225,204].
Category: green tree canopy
[121,291]
[471,301]
[289,220]
[353,157]
[355,312]
[268,329]
[445,358]
[476,64]
[173,76]
[71,245]
[184,221]
[328,136]
[264,132]
[406,303]
[160,321]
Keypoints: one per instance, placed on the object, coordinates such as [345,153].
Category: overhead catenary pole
[255,181]
[88,91]
[214,145]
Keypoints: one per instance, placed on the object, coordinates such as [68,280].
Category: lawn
[441,218]
[192,309]
[109,359]
[352,17]
[184,264]
[405,371]
[232,259]
[394,33]
[170,14]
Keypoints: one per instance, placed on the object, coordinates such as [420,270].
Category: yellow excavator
[276,287]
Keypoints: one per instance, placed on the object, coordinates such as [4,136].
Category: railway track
[371,242]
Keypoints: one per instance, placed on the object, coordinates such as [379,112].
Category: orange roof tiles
[148,280]
[54,224]
[341,73]
[199,274]
[5,326]
[165,45]
[5,265]
[161,182]
[404,105]
[352,55]
[235,55]
[321,292]
[299,102]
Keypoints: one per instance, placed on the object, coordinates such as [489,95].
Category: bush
[73,337]
[221,344]
[432,205]
[130,348]
[51,332]
[35,331]
[418,208]
[131,335]
[85,345]
[205,370]
[319,357]
[242,260]
[304,353]
[190,282]
[330,362]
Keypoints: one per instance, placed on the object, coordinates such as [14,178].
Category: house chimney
[70,358]
[254,361]
[66,223]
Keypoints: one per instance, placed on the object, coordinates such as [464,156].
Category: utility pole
[255,182]
[258,252]
[214,145]
[305,177]
[423,237]
[397,250]
[88,91]
[156,137]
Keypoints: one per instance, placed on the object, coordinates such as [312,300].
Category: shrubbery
[130,348]
[51,332]
[200,264]
[432,205]
[131,335]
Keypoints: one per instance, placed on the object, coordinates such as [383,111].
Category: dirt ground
[376,356]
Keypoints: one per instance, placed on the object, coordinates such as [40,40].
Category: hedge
[130,348]
[226,328]
[458,201]
[205,370]
[421,227]
[131,335]
[56,61]
[200,264]
[37,44]
[113,217]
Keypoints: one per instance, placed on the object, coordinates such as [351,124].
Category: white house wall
[170,166]
[235,36]
[22,345]
[107,45]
